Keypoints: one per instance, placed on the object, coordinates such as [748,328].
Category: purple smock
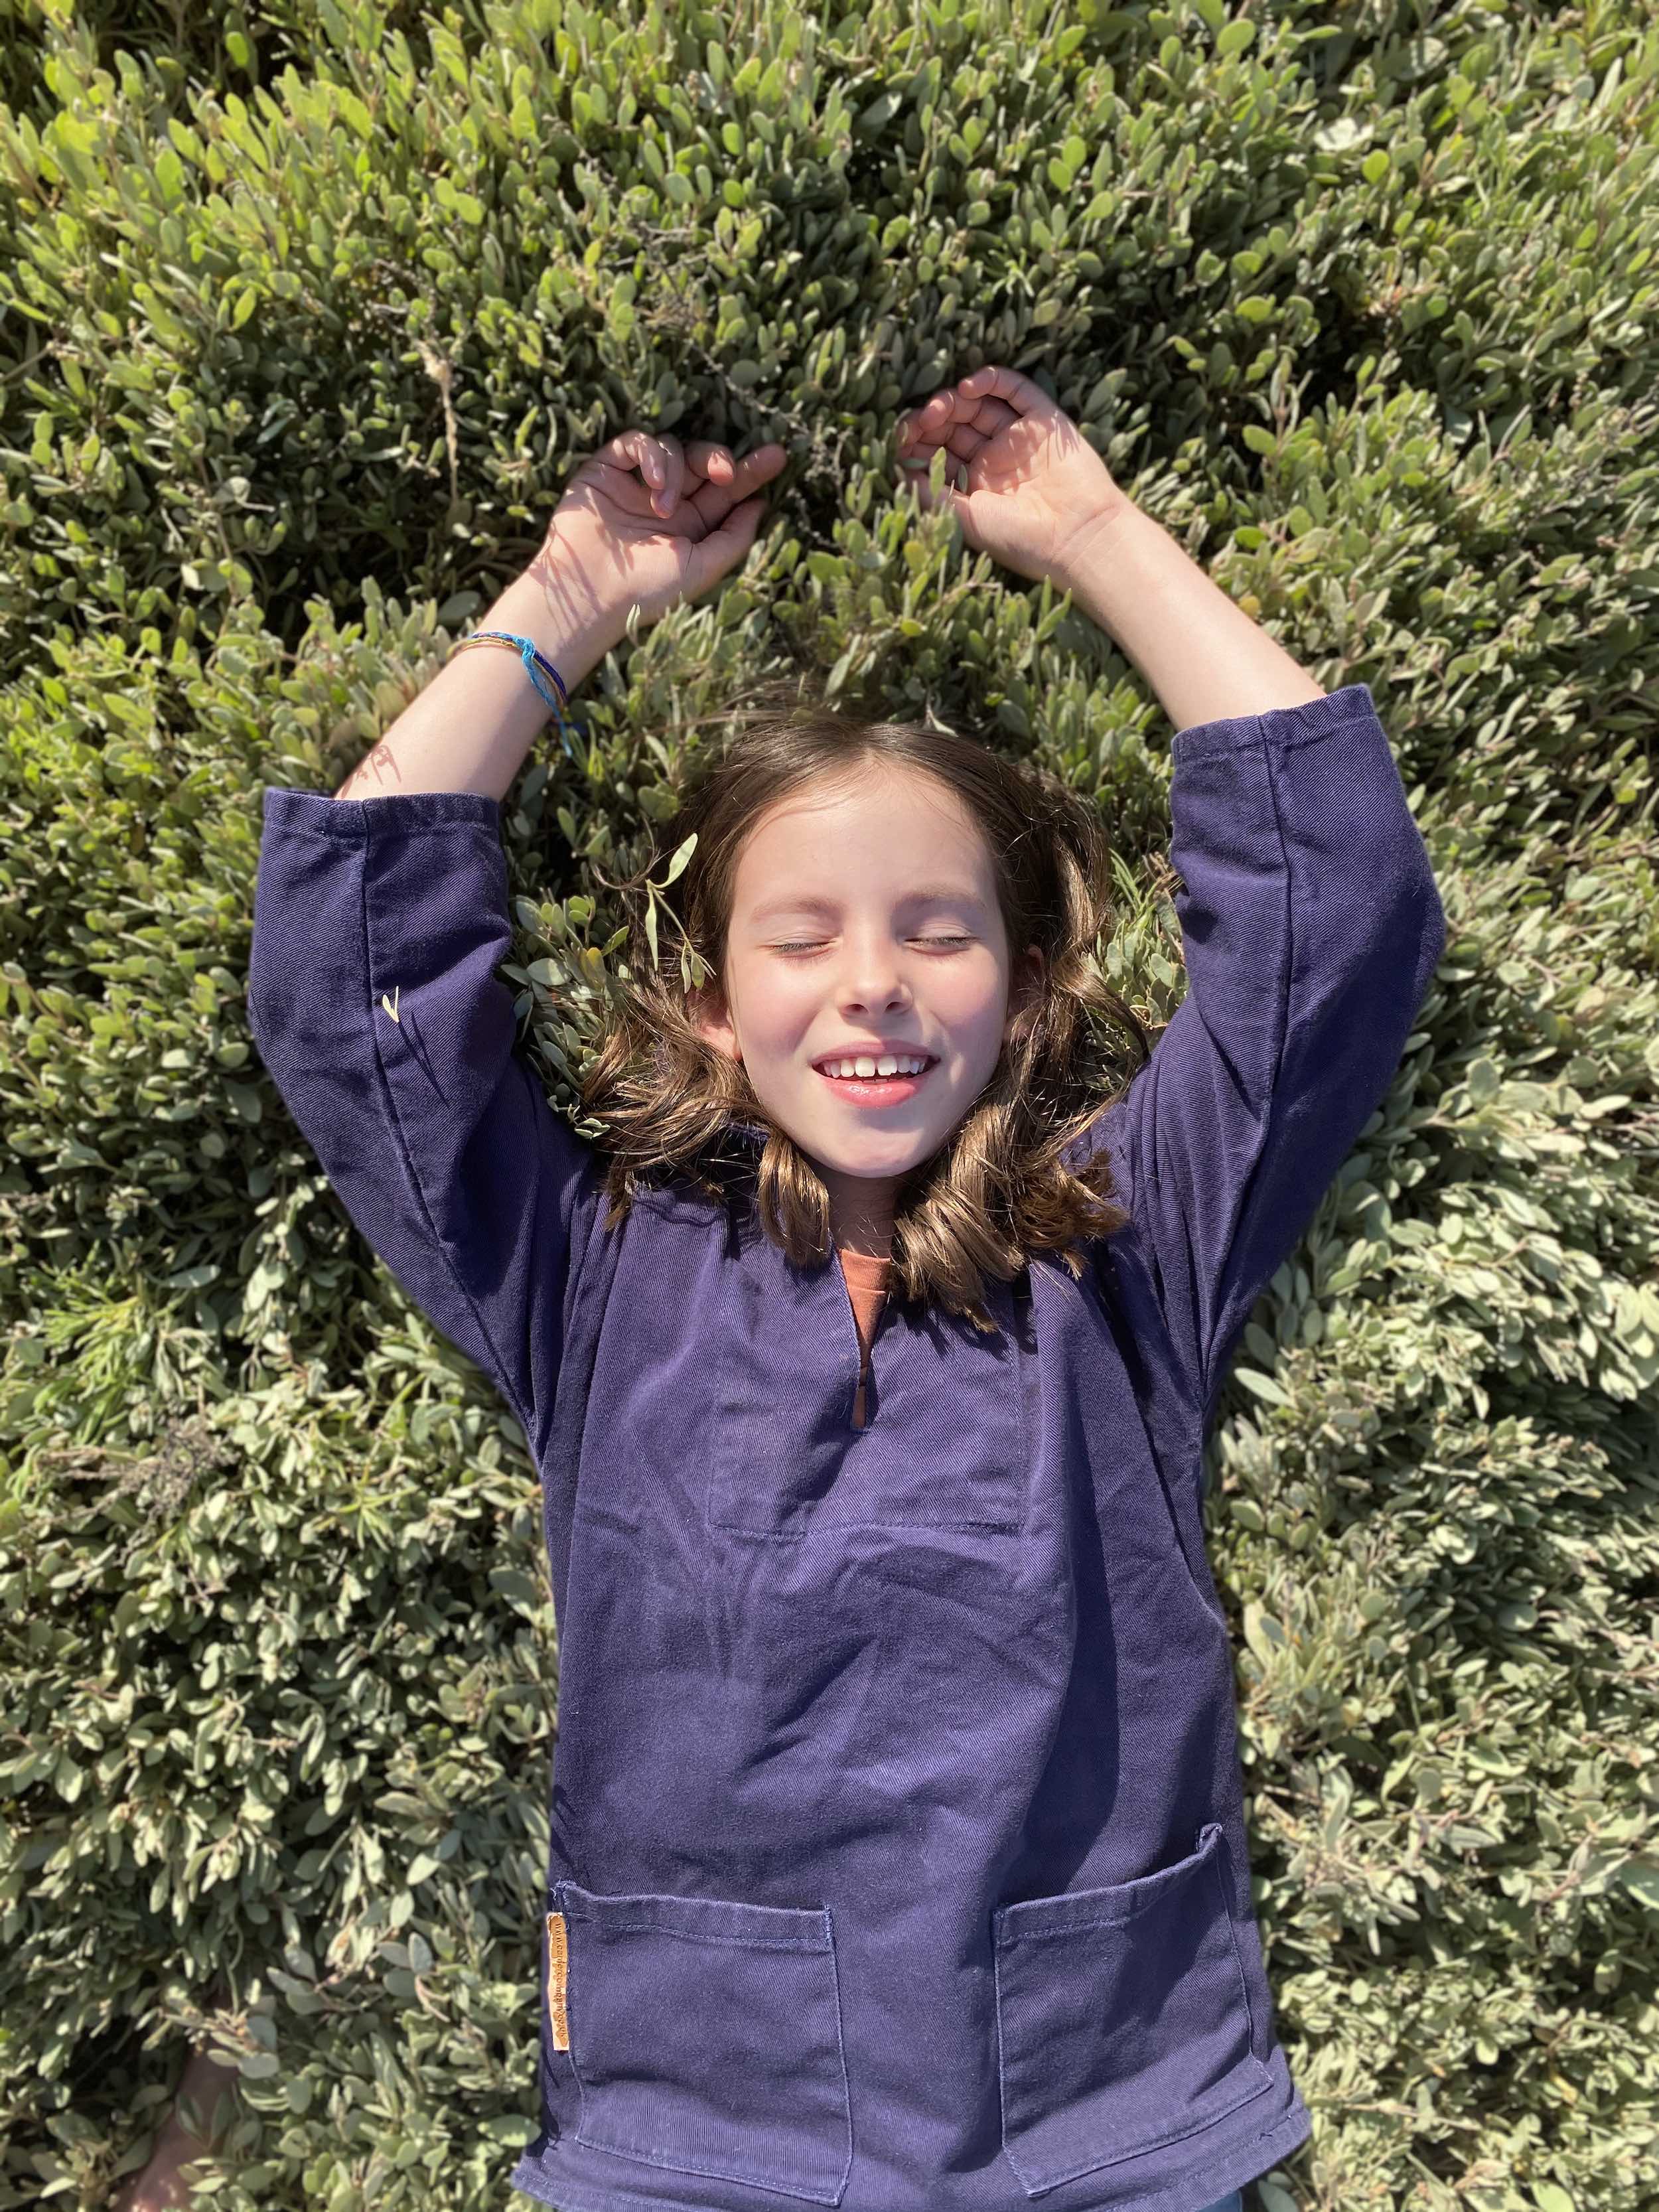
[898,1858]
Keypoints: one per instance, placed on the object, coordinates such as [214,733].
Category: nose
[872,980]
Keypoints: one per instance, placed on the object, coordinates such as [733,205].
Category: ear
[1027,980]
[707,1010]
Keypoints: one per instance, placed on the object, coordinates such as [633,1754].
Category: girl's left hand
[647,522]
[1036,494]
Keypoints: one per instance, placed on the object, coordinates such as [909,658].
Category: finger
[966,438]
[1019,393]
[655,455]
[701,459]
[629,449]
[706,459]
[987,398]
[709,467]
[671,453]
[724,547]
[961,426]
[915,464]
[720,495]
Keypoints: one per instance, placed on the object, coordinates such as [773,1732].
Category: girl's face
[864,916]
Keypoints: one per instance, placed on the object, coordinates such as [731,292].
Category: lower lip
[876,1090]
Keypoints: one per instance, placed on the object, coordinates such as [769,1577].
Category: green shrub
[309,310]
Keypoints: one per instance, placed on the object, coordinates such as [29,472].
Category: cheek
[778,1006]
[969,999]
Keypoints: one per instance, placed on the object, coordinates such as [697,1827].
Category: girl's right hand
[646,522]
[1036,494]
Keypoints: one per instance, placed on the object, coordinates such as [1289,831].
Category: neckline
[759,1132]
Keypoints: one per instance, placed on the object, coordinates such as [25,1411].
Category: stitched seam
[1282,2126]
[616,2196]
[1206,1855]
[1227,1886]
[840,2047]
[1287,741]
[1207,1380]
[1179,2134]
[1293,2125]
[520,1411]
[695,1935]
[1290,2129]
[1104,1916]
[407,829]
[675,2165]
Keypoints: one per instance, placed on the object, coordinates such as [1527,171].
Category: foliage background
[308,311]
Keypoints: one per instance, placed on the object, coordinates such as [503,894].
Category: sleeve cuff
[1315,718]
[347,819]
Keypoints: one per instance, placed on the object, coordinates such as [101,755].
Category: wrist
[549,604]
[1098,557]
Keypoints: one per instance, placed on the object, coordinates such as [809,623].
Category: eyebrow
[801,902]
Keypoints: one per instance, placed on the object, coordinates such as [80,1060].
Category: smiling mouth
[877,1090]
[928,1060]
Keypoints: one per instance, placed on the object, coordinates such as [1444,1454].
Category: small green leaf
[1263,1386]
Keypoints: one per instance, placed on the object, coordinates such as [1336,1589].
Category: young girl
[898,1857]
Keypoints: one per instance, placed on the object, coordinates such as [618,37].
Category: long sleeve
[1312,927]
[431,1127]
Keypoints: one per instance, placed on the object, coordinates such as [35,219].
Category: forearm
[1198,649]
[471,726]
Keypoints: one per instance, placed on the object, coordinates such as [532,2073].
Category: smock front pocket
[705,2034]
[1122,2019]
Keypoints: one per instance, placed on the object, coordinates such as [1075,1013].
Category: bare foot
[162,2186]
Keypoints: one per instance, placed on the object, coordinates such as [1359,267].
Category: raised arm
[1311,924]
[645,522]
[1197,647]
[1027,488]
[1310,916]
[471,727]
[1312,927]
[375,1003]
[381,922]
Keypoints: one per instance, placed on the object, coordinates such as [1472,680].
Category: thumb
[725,548]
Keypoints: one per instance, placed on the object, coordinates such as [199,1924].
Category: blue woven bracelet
[536,664]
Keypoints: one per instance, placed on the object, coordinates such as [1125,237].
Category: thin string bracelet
[536,666]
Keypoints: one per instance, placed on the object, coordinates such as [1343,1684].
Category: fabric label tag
[558,1967]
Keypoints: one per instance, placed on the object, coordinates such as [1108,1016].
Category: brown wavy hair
[996,1192]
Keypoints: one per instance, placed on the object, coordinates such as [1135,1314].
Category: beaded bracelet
[535,663]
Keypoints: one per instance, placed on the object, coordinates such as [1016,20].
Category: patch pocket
[705,2035]
[1122,2019]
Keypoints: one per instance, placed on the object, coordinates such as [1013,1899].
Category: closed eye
[805,946]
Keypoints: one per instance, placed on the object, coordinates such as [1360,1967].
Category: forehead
[888,827]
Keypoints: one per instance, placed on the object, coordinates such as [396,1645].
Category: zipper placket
[860,1371]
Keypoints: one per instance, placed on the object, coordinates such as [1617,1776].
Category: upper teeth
[889,1064]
